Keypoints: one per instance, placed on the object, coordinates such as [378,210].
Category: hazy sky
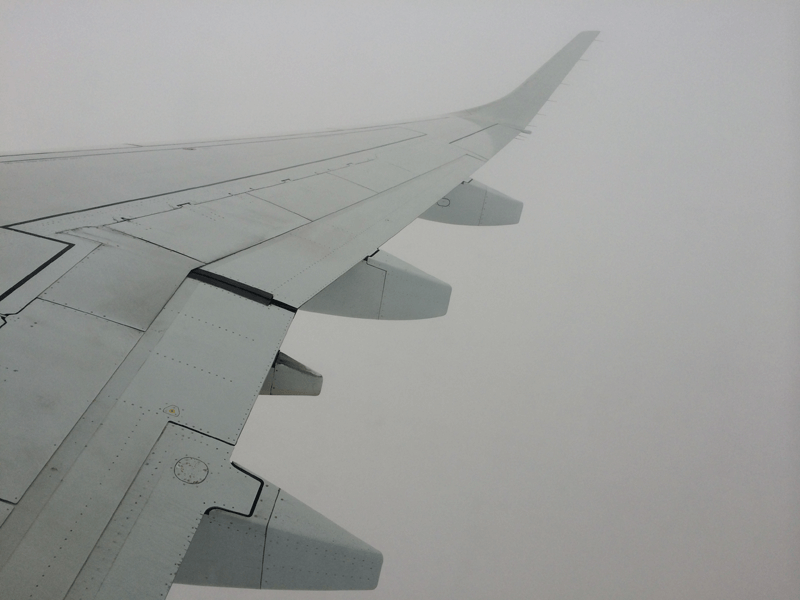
[610,408]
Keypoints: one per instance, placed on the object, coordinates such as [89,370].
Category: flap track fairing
[473,203]
[284,545]
[288,377]
[383,287]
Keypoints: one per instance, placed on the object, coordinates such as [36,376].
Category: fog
[610,407]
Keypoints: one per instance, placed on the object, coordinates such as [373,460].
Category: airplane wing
[145,292]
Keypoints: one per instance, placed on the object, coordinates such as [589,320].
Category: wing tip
[586,37]
[522,104]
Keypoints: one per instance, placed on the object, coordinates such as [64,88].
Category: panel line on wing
[85,233]
[272,203]
[41,267]
[266,532]
[287,168]
[350,180]
[473,133]
[91,314]
[201,433]
[255,500]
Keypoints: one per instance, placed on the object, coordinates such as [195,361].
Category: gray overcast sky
[610,408]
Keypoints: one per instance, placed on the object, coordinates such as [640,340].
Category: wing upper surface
[154,365]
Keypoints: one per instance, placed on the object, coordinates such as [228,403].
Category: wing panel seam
[198,187]
[40,268]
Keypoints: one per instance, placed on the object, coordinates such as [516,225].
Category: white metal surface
[124,280]
[306,551]
[5,510]
[62,182]
[22,254]
[376,175]
[488,142]
[53,362]
[213,390]
[314,197]
[409,293]
[420,155]
[21,527]
[357,293]
[100,509]
[383,287]
[283,545]
[143,537]
[227,550]
[518,108]
[18,296]
[473,203]
[297,265]
[446,127]
[212,393]
[211,230]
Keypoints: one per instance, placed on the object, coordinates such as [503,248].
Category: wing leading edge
[142,317]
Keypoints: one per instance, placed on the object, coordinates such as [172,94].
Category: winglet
[520,106]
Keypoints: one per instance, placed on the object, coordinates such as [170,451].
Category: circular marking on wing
[191,470]
[443,202]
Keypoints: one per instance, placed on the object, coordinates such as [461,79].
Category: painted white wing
[145,293]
